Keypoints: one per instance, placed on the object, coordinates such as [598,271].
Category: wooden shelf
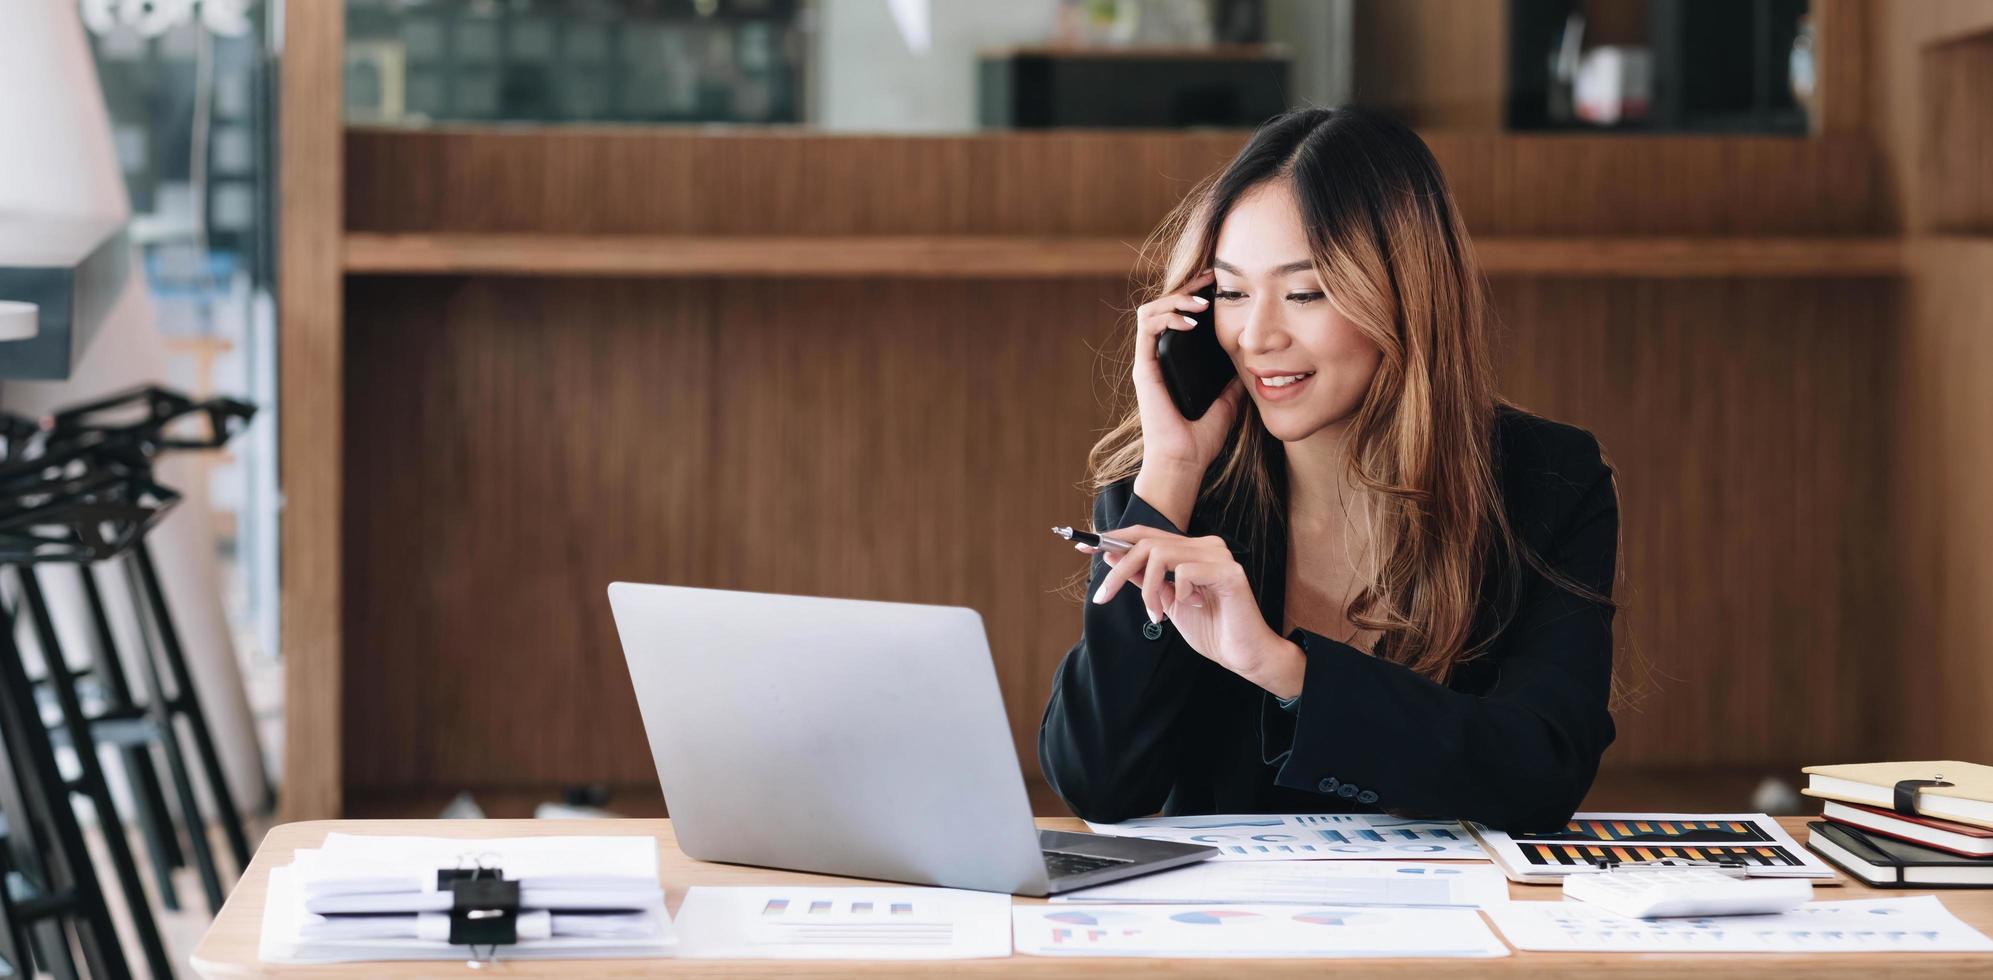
[906,257]
[1001,257]
[1699,257]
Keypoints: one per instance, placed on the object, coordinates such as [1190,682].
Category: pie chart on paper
[1329,918]
[1213,917]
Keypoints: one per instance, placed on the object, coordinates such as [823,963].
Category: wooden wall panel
[1927,123]
[310,385]
[611,181]
[1844,60]
[1945,458]
[514,445]
[1433,63]
[1956,146]
[1750,425]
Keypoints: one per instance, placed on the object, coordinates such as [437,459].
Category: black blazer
[1138,721]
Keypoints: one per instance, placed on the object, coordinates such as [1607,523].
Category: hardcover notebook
[1887,863]
[1962,839]
[1968,800]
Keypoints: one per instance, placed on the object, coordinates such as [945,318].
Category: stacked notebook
[1947,842]
[358,898]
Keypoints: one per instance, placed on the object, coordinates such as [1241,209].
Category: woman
[1361,581]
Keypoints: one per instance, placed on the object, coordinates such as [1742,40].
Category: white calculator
[1666,892]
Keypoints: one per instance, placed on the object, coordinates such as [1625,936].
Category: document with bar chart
[838,923]
[1592,840]
[1251,930]
[1313,836]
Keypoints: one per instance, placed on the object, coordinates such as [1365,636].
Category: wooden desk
[229,948]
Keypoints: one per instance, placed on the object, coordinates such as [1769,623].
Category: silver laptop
[850,738]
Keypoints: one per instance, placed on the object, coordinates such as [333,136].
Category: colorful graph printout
[1659,831]
[1753,840]
[1589,855]
[1325,836]
[1251,931]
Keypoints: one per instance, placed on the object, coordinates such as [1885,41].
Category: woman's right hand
[1175,451]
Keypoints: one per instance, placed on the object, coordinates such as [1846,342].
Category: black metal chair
[125,433]
[74,511]
[48,889]
[78,489]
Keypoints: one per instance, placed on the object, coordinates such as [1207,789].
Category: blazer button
[1153,631]
[1366,797]
[1327,785]
[1346,790]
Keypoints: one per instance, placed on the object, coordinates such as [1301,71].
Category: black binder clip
[1906,793]
[485,910]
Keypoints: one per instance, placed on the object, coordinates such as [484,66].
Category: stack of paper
[363,897]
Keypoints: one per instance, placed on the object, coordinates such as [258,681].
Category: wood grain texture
[1750,425]
[1903,35]
[1944,460]
[1433,63]
[1844,66]
[229,947]
[517,444]
[609,181]
[1956,151]
[1926,129]
[1016,257]
[310,363]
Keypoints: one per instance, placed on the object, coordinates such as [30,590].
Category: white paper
[368,864]
[621,897]
[1407,883]
[1892,925]
[1251,931]
[793,922]
[1288,837]
[435,926]
[283,941]
[1755,839]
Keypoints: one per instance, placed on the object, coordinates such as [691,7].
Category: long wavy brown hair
[1394,258]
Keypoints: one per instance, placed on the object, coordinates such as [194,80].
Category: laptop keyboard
[1065,864]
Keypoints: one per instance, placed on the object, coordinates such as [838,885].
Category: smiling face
[1306,365]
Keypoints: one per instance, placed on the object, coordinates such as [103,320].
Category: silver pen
[1101,541]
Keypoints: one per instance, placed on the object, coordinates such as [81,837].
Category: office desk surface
[229,948]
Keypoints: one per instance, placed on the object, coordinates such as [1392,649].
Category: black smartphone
[1196,368]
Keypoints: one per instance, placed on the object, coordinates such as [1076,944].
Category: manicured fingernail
[1199,300]
[1084,548]
[1190,321]
[1100,594]
[1155,617]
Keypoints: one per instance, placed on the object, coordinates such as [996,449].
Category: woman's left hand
[1197,584]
